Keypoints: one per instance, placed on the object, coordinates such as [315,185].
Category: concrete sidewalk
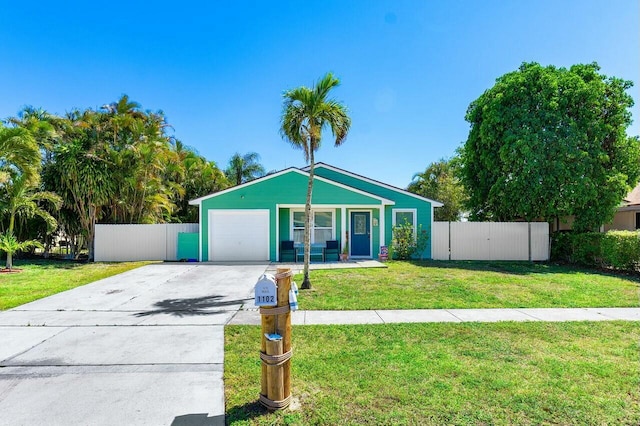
[252,316]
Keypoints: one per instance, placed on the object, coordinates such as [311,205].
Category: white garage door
[238,235]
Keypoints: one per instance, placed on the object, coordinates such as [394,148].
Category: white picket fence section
[122,243]
[490,241]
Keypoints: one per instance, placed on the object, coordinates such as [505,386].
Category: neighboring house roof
[633,197]
[383,201]
[631,202]
[434,203]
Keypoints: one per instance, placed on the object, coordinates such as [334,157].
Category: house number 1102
[266,291]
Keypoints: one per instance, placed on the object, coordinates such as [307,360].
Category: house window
[637,220]
[298,227]
[400,216]
[322,226]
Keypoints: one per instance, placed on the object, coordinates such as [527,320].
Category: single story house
[248,222]
[626,218]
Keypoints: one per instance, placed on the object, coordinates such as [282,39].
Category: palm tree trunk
[91,232]
[306,283]
[12,220]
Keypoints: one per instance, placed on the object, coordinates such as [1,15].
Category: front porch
[297,268]
[358,229]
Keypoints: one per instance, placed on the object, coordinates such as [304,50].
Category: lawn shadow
[521,268]
[199,419]
[191,307]
[49,263]
[245,412]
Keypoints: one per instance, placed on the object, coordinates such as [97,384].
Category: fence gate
[490,241]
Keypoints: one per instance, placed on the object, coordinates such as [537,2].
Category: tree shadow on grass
[49,263]
[192,307]
[245,412]
[521,268]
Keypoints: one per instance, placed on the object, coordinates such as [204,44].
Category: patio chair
[287,251]
[332,251]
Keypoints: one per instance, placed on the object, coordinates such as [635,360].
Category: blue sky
[409,69]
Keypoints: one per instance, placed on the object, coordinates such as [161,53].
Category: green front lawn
[442,285]
[576,373]
[42,278]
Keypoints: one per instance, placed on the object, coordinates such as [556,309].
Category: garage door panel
[239,235]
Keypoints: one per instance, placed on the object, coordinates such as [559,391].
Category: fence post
[529,240]
[449,240]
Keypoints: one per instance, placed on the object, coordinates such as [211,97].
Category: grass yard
[42,278]
[441,285]
[575,373]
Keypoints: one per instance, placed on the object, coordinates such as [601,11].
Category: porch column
[381,222]
[277,233]
[343,227]
[200,227]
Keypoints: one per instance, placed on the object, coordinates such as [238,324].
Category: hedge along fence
[614,249]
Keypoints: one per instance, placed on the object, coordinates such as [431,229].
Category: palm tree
[243,168]
[306,113]
[18,153]
[20,197]
[10,244]
[40,123]
[201,177]
[440,182]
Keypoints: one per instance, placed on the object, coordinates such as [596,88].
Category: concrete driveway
[145,347]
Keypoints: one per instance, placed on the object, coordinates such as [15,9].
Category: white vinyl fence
[490,241]
[121,243]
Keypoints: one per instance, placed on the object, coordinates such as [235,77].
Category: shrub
[621,250]
[614,249]
[561,246]
[586,249]
[404,245]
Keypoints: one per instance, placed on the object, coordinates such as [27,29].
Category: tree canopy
[116,164]
[18,153]
[440,182]
[548,142]
[243,168]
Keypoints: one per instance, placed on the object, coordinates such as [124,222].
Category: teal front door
[361,234]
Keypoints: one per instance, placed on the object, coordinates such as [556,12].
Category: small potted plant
[344,256]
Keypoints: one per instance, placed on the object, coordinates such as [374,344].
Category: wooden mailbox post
[275,350]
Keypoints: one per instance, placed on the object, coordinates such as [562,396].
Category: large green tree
[549,142]
[440,182]
[243,168]
[307,112]
[80,173]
